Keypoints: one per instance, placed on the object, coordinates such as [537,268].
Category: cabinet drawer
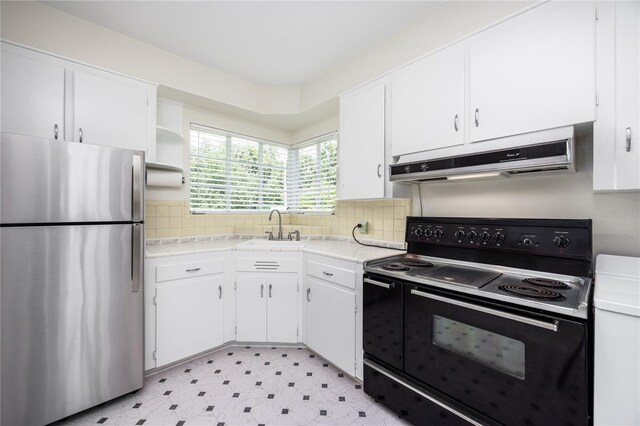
[331,273]
[267,264]
[188,270]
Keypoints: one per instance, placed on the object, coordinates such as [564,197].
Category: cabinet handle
[262,291]
[192,270]
[455,122]
[628,139]
[328,274]
[219,292]
[270,286]
[379,175]
[308,294]
[55,131]
[80,134]
[477,117]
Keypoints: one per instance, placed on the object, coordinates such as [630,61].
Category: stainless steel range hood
[551,156]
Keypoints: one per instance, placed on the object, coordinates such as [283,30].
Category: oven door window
[497,351]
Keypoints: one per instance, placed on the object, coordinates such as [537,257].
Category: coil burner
[532,292]
[414,262]
[395,266]
[544,282]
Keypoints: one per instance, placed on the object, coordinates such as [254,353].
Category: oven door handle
[553,326]
[379,284]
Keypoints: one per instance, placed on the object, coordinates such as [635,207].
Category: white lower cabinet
[330,309]
[331,322]
[189,317]
[267,307]
[184,306]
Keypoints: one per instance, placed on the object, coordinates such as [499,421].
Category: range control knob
[527,242]
[460,234]
[485,237]
[428,232]
[561,241]
[499,237]
[473,235]
[418,232]
[438,233]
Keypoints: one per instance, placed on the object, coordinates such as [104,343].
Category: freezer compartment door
[49,181]
[72,319]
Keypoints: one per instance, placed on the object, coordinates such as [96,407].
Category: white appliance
[617,341]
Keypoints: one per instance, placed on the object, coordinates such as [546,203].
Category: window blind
[312,175]
[235,173]
[231,172]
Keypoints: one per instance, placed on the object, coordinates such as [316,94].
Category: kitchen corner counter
[337,247]
[346,249]
[180,246]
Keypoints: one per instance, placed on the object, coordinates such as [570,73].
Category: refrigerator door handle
[137,256]
[137,199]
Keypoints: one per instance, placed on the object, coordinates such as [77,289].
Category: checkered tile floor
[245,386]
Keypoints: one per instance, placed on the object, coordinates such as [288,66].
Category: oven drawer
[410,402]
[382,327]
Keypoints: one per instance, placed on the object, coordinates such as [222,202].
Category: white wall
[616,216]
[326,125]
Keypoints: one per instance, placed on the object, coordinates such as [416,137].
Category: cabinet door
[251,308]
[282,307]
[188,318]
[627,95]
[361,148]
[110,111]
[427,103]
[533,72]
[331,323]
[32,97]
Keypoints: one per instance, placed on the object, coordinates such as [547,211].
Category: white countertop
[347,250]
[337,247]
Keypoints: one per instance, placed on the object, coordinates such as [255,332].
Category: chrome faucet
[279,222]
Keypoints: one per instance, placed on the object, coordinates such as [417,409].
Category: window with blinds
[311,178]
[230,172]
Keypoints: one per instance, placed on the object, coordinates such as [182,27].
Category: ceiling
[270,43]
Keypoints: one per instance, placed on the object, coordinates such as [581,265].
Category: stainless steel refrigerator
[72,277]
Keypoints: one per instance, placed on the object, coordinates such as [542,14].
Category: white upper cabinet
[533,72]
[427,103]
[32,96]
[42,93]
[616,133]
[110,110]
[361,155]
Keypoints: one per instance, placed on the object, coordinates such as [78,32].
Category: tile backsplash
[386,219]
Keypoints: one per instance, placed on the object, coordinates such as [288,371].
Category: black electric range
[484,321]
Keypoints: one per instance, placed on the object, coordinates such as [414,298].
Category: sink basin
[271,244]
